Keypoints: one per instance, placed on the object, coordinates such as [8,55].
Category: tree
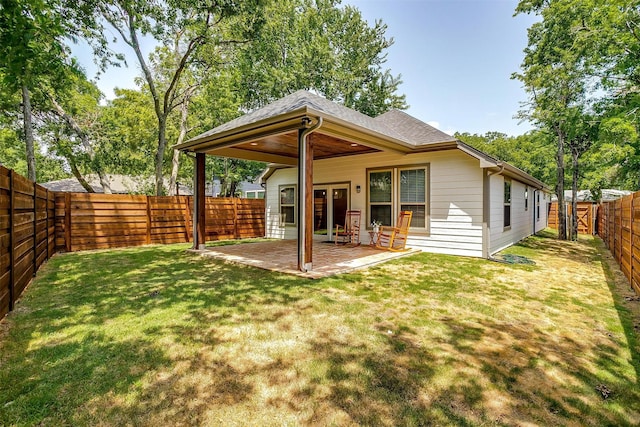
[317,45]
[532,152]
[187,25]
[553,72]
[579,140]
[33,53]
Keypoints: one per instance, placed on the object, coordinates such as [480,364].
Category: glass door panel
[320,212]
[340,205]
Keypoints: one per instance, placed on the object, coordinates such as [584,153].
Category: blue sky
[455,56]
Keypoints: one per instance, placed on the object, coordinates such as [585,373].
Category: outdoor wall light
[358,188]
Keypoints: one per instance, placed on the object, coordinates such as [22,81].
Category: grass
[156,336]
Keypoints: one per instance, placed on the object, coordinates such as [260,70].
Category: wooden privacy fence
[586,216]
[36,222]
[26,234]
[95,221]
[619,228]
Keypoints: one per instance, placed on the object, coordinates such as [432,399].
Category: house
[326,158]
[246,189]
[120,184]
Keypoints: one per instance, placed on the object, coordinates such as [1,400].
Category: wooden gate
[585,216]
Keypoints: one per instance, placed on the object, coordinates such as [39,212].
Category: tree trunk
[175,162]
[84,138]
[79,177]
[162,143]
[28,133]
[562,220]
[574,194]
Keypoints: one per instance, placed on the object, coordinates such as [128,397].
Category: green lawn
[157,336]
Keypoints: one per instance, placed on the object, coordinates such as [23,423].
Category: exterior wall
[455,197]
[522,221]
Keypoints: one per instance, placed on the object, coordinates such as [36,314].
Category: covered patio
[280,256]
[295,131]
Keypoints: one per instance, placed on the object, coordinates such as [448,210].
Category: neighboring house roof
[242,186]
[120,184]
[269,134]
[607,195]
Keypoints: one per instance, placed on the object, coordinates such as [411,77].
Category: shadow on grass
[56,359]
[547,243]
[619,287]
[63,365]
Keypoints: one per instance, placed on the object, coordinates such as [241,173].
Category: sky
[456,58]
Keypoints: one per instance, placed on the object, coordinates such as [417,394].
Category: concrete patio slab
[282,256]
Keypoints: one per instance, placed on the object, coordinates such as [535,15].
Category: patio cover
[302,127]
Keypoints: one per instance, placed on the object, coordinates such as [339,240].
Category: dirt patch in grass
[154,336]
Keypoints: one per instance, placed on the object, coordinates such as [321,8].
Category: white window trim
[505,203]
[395,194]
[295,205]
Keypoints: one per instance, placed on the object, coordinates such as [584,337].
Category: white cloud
[434,124]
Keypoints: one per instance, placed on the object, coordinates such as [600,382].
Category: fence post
[186,216]
[67,222]
[631,240]
[46,220]
[35,228]
[12,252]
[235,218]
[148,221]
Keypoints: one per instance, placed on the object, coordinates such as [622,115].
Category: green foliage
[532,152]
[12,156]
[318,45]
[583,59]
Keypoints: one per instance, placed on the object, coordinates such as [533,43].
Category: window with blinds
[413,195]
[398,189]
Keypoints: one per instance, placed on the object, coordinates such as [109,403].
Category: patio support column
[199,204]
[305,197]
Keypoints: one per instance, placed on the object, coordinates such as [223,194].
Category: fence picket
[36,223]
[620,231]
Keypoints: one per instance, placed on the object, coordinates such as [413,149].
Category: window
[380,200]
[287,205]
[413,195]
[507,203]
[254,194]
[398,189]
[526,198]
[538,207]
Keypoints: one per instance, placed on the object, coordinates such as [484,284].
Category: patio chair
[350,231]
[395,238]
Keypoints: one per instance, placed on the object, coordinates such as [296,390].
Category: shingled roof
[394,130]
[412,130]
[394,124]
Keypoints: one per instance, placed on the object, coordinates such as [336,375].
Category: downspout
[535,208]
[486,211]
[302,189]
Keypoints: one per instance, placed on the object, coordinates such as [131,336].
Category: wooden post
[235,217]
[631,238]
[187,214]
[35,228]
[12,242]
[47,220]
[67,222]
[148,221]
[199,204]
[305,201]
